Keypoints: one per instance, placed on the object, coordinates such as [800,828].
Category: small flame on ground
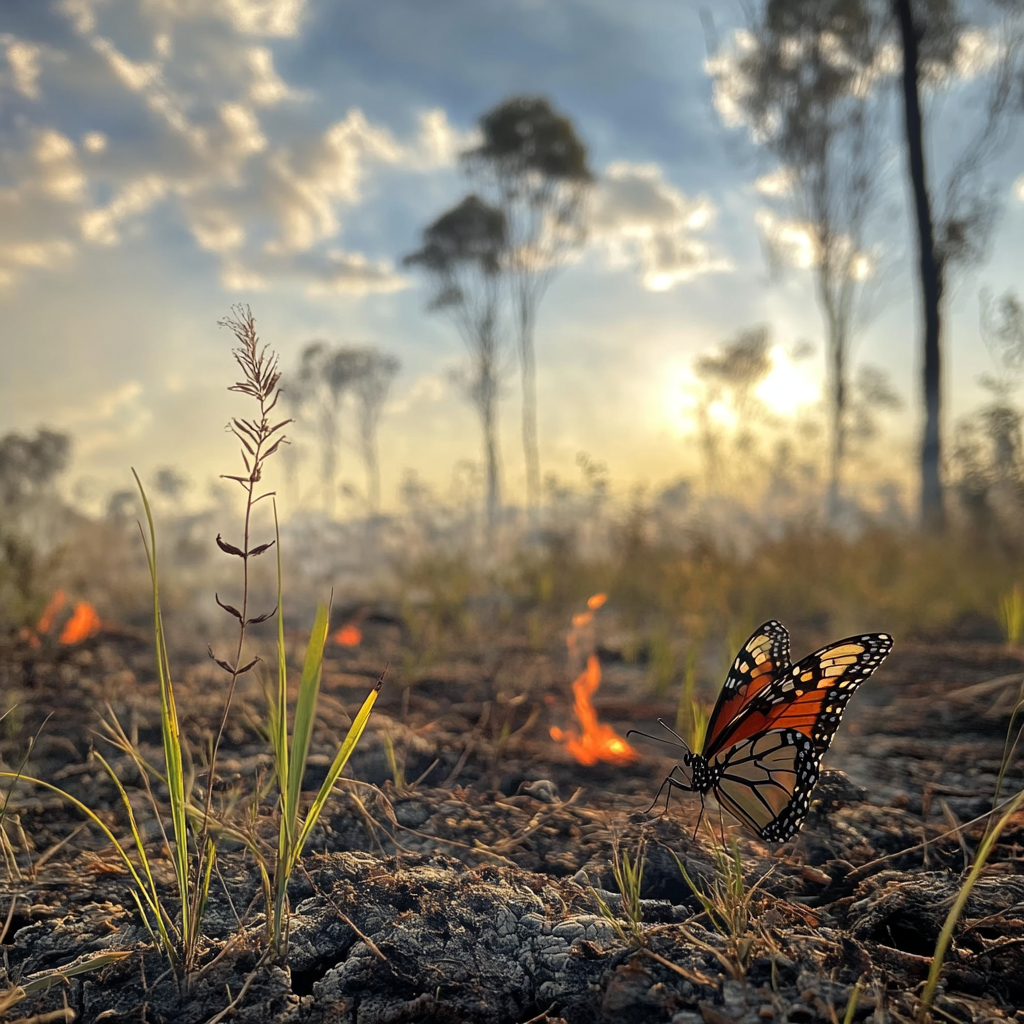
[349,636]
[53,606]
[84,623]
[599,742]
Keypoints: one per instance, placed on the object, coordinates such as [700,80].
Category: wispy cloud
[267,195]
[642,221]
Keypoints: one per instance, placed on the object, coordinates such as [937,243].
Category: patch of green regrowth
[726,902]
[692,714]
[628,873]
[190,824]
[1011,615]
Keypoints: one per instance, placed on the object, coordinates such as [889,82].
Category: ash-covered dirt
[459,879]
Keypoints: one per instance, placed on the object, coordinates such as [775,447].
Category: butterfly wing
[764,762]
[765,781]
[761,660]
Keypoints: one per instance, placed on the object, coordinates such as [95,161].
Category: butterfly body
[773,723]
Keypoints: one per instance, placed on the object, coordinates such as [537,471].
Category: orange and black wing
[762,660]
[766,760]
[810,697]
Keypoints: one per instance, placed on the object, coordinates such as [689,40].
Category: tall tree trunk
[528,365]
[836,341]
[329,463]
[492,460]
[372,463]
[838,431]
[933,513]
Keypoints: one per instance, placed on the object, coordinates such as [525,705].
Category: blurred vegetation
[689,569]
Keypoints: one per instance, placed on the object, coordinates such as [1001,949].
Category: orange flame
[53,606]
[595,602]
[83,624]
[349,636]
[599,742]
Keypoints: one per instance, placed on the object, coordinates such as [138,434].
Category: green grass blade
[98,822]
[152,893]
[305,711]
[946,935]
[169,723]
[45,981]
[278,708]
[356,730]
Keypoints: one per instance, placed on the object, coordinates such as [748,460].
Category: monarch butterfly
[771,726]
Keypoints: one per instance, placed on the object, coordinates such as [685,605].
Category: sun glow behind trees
[790,388]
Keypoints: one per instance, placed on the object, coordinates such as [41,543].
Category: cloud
[34,213]
[100,225]
[777,184]
[1018,188]
[23,62]
[438,143]
[640,220]
[280,18]
[427,388]
[107,420]
[352,273]
[266,195]
[267,18]
[793,243]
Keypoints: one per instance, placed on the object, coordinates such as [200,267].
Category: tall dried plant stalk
[259,438]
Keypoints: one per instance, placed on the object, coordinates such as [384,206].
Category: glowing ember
[53,606]
[349,636]
[595,602]
[599,742]
[83,624]
[583,619]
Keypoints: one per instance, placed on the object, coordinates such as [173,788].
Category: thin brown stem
[259,439]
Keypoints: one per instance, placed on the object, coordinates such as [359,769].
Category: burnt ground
[459,882]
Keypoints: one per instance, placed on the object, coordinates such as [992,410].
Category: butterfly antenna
[677,742]
[681,742]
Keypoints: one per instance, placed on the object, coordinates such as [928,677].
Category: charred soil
[458,871]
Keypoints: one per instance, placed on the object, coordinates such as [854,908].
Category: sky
[162,160]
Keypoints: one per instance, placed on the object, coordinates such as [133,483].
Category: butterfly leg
[672,783]
[700,818]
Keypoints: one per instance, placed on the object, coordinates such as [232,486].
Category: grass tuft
[629,875]
[726,901]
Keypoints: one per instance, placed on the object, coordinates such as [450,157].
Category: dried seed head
[258,365]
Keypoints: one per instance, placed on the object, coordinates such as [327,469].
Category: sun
[787,389]
[789,386]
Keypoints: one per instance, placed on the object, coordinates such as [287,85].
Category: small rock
[543,790]
[687,1017]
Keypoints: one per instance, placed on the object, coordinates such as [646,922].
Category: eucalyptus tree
[954,219]
[375,373]
[316,393]
[807,98]
[731,374]
[462,254]
[533,165]
[813,86]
